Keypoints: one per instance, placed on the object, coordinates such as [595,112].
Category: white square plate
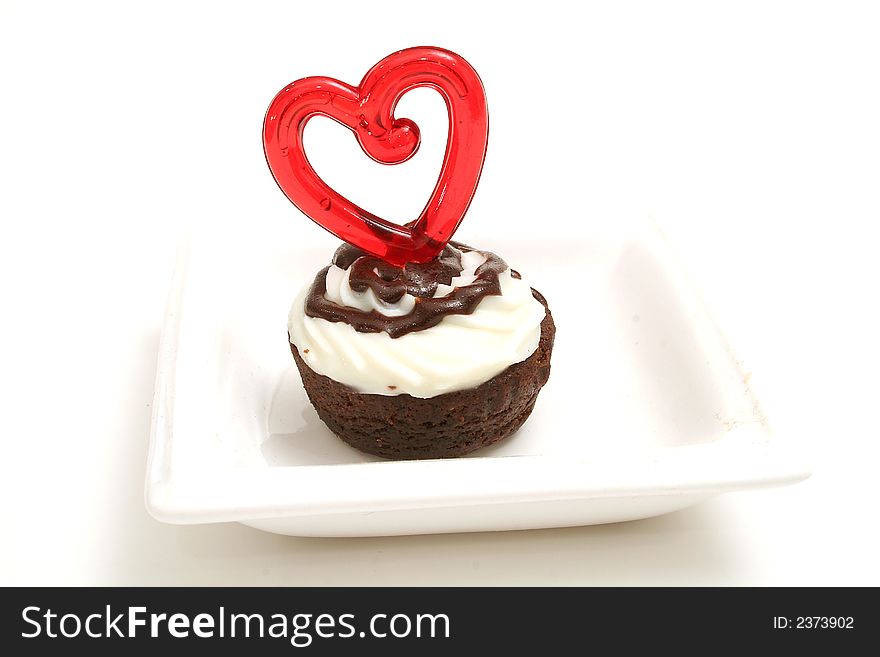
[646,410]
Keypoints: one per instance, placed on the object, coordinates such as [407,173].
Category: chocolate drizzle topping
[389,283]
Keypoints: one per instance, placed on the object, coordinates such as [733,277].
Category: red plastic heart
[368,111]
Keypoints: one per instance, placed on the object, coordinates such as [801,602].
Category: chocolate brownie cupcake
[428,360]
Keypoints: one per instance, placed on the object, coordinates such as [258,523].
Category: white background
[749,131]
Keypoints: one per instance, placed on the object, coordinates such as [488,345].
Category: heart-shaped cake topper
[368,111]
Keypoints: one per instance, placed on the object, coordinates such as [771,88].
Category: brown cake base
[452,424]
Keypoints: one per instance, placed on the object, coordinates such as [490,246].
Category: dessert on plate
[421,361]
[409,345]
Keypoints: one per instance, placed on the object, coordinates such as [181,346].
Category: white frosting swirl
[460,352]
